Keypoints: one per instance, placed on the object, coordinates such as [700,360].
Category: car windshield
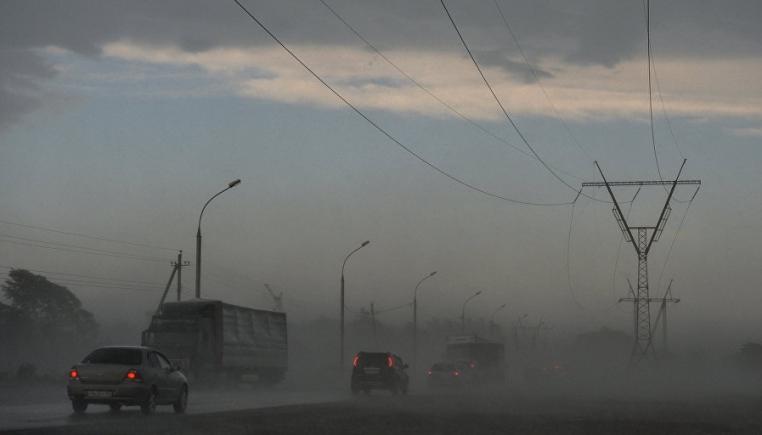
[114,356]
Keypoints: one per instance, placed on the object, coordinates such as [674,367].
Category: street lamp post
[463,311]
[492,325]
[342,305]
[231,185]
[415,319]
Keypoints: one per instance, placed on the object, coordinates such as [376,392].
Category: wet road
[34,406]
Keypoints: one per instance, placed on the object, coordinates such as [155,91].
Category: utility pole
[415,319]
[373,322]
[175,268]
[342,304]
[180,264]
[277,298]
[642,239]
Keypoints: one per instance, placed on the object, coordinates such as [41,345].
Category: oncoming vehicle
[484,358]
[448,375]
[127,376]
[379,371]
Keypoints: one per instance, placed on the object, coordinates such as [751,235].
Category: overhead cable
[431,93]
[382,130]
[86,236]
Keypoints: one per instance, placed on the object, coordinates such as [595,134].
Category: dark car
[127,376]
[379,371]
[448,375]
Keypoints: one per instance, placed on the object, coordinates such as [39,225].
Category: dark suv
[379,371]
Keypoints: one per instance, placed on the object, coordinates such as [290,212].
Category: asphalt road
[46,405]
[447,413]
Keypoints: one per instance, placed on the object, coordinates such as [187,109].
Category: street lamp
[415,319]
[463,311]
[231,185]
[492,325]
[342,305]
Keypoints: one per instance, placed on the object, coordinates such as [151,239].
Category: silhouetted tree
[43,321]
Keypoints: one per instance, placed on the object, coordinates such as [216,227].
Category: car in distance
[449,375]
[379,371]
[127,376]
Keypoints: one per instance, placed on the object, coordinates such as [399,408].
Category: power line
[67,245]
[382,130]
[429,91]
[76,275]
[650,88]
[500,104]
[568,258]
[86,236]
[619,246]
[82,251]
[397,307]
[538,81]
[677,233]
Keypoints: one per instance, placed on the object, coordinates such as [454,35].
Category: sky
[118,120]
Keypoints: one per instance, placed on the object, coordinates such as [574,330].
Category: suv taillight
[133,375]
[390,361]
[356,361]
[73,374]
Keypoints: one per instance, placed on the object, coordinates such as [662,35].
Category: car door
[173,378]
[159,377]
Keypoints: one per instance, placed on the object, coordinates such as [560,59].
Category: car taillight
[356,361]
[472,364]
[390,361]
[133,375]
[428,372]
[455,373]
[73,374]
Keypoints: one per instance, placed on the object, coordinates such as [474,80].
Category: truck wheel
[182,401]
[149,406]
[79,406]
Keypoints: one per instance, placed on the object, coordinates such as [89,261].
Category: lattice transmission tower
[642,239]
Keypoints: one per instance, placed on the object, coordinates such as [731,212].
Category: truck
[210,339]
[484,358]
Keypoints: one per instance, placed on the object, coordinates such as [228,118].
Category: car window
[163,361]
[121,356]
[153,361]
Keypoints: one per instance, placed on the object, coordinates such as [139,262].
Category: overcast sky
[119,119]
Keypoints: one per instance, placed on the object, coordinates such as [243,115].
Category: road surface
[424,413]
[46,405]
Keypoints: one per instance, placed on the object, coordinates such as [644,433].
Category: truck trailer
[210,339]
[484,358]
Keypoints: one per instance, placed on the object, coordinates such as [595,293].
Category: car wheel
[394,388]
[149,406]
[182,401]
[115,407]
[79,406]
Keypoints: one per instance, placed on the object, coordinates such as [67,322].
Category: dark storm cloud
[20,73]
[601,32]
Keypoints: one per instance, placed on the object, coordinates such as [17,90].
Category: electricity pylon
[642,239]
[277,298]
[662,314]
